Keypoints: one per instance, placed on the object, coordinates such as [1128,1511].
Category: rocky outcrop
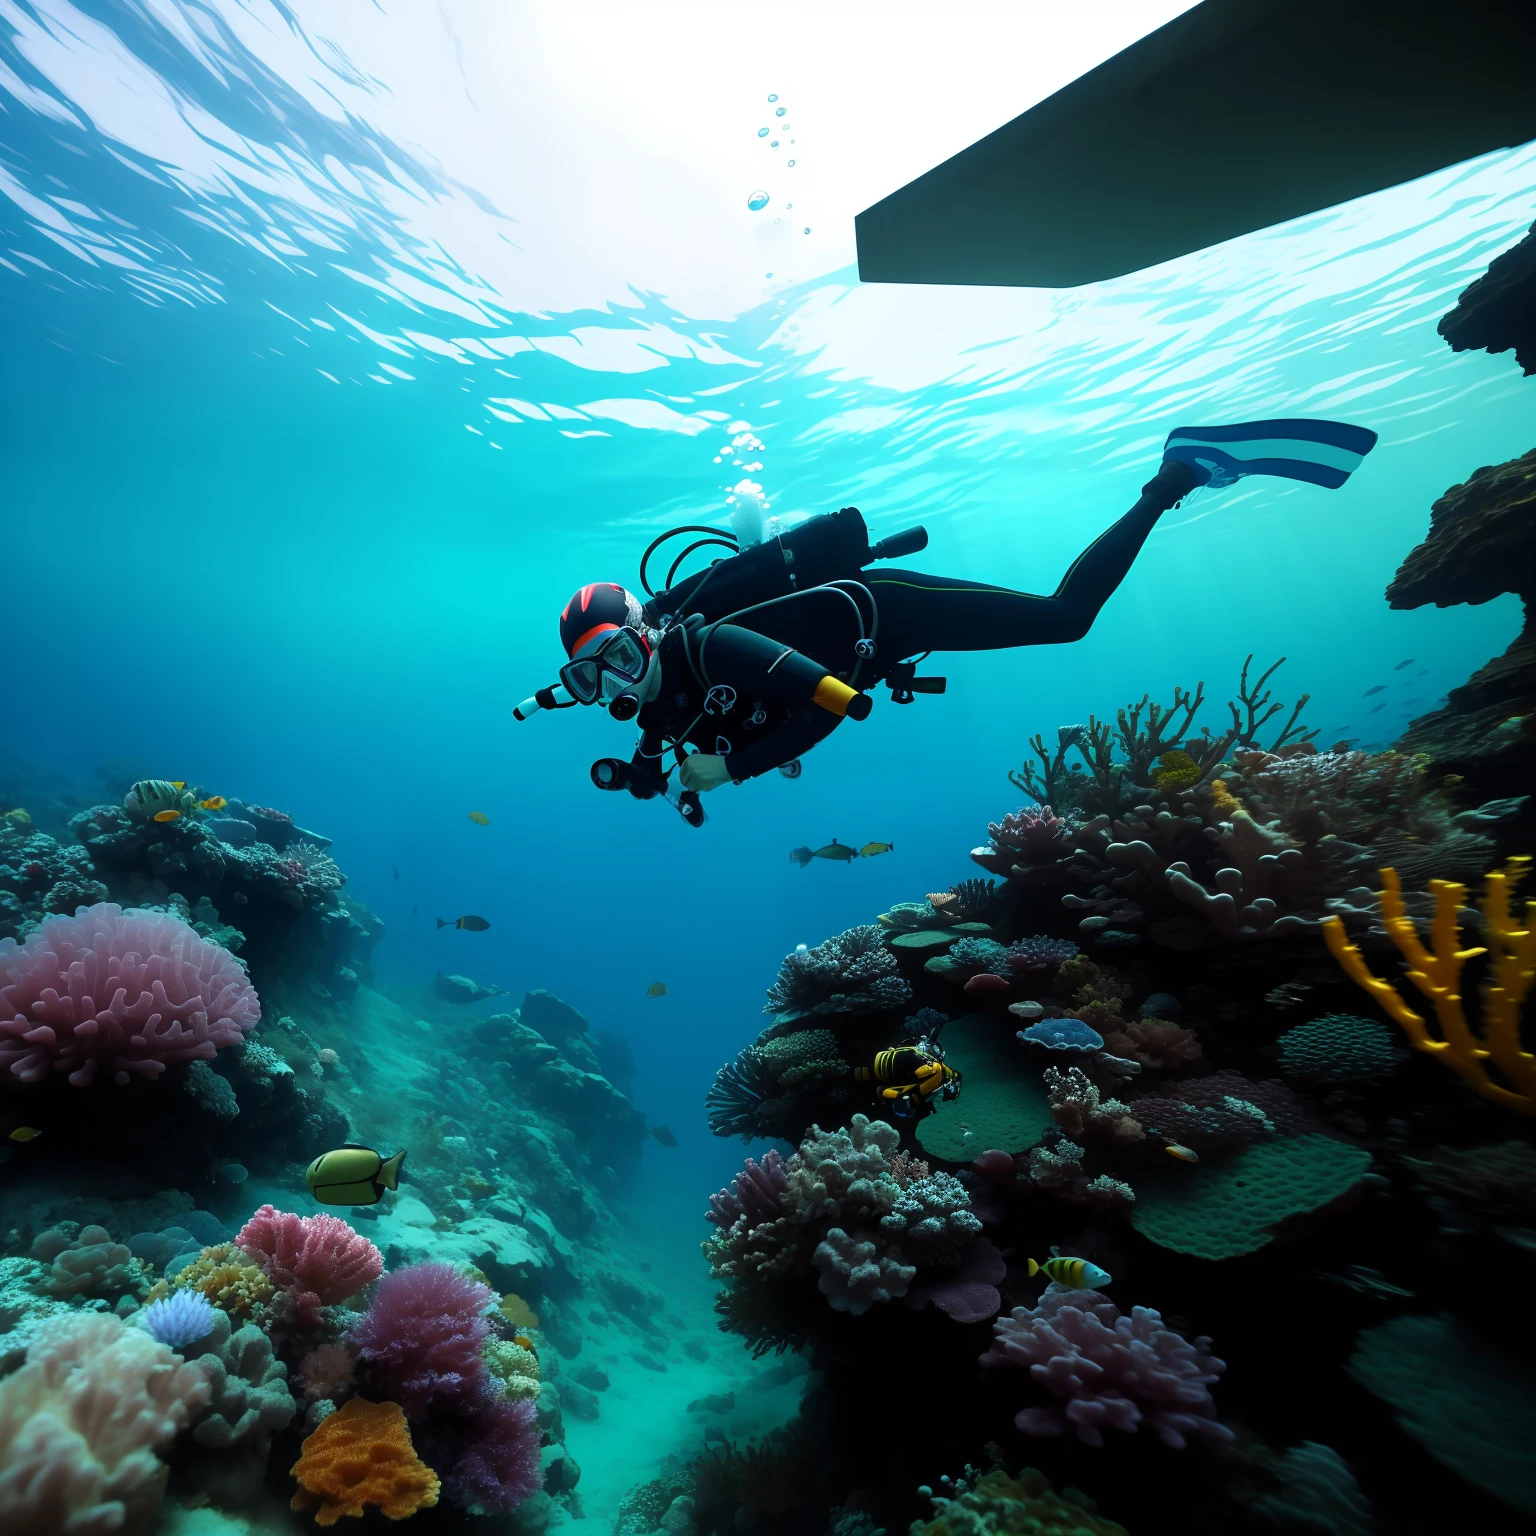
[1481,544]
[1497,313]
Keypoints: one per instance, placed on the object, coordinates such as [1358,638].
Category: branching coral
[1108,1370]
[359,1456]
[738,1093]
[228,1279]
[852,972]
[125,992]
[1081,1111]
[80,1424]
[318,1260]
[1436,972]
[1024,1505]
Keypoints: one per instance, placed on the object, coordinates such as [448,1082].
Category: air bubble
[762,133]
[774,97]
[791,162]
[774,144]
[807,229]
[780,111]
[757,201]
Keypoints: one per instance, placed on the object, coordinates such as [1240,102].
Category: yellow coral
[517,1311]
[360,1455]
[1436,972]
[1176,770]
[227,1278]
[1223,801]
[515,1366]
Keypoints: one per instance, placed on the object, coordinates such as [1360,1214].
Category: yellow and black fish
[869,850]
[1072,1274]
[656,989]
[353,1175]
[213,803]
[470,924]
[25,1133]
[909,1078]
[167,815]
[479,818]
[663,1135]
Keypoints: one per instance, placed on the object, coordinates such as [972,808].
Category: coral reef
[131,992]
[1464,1400]
[1000,1505]
[81,1422]
[851,973]
[1339,1048]
[1108,1371]
[362,1456]
[177,1320]
[314,1261]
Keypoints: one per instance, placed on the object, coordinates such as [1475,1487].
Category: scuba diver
[743,667]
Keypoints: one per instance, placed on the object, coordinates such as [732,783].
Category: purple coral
[129,991]
[1038,955]
[179,1319]
[756,1193]
[1108,1371]
[420,1339]
[495,1466]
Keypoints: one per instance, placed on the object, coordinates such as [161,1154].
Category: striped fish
[150,796]
[1322,453]
[1071,1274]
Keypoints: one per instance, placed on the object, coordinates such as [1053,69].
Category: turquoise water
[329,373]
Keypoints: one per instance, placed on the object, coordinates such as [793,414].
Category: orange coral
[517,1311]
[362,1454]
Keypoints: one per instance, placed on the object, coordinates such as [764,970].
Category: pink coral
[1108,1371]
[420,1339]
[132,991]
[318,1260]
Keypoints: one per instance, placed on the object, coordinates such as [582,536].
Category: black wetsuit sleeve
[760,668]
[647,777]
[799,733]
[755,666]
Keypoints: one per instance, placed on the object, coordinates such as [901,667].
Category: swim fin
[1322,453]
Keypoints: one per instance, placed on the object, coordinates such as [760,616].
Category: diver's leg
[939,613]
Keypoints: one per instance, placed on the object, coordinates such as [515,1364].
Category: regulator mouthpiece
[553,697]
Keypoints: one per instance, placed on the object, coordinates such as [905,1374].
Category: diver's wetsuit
[744,689]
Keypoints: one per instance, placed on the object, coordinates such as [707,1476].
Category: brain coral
[129,991]
[1339,1048]
[361,1455]
[1221,1210]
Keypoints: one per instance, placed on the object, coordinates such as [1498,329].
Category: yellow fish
[522,1341]
[167,815]
[213,803]
[656,989]
[1184,1154]
[353,1175]
[25,1133]
[19,816]
[479,818]
[869,850]
[1072,1274]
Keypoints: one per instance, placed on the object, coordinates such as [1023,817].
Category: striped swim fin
[1322,453]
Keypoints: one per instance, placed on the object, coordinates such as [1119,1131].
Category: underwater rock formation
[1481,544]
[1497,312]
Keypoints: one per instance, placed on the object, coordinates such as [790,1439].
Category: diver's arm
[794,737]
[647,777]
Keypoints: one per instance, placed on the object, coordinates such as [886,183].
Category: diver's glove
[644,779]
[704,771]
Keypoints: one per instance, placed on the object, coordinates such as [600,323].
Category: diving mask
[617,662]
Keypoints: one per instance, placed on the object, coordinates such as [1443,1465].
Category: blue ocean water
[329,373]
